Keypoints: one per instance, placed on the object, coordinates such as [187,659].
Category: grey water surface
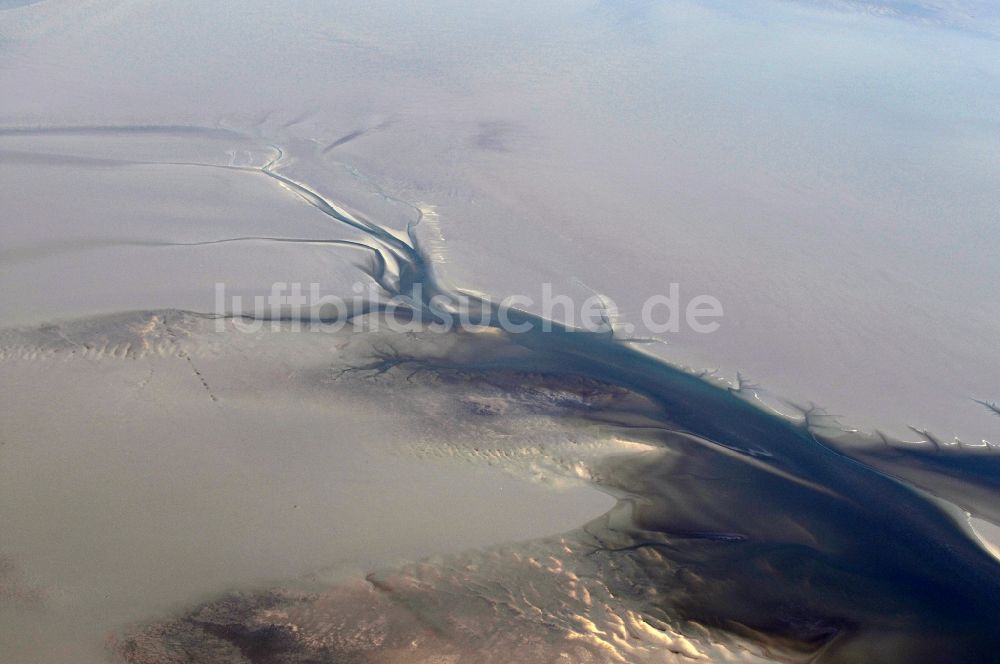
[184,482]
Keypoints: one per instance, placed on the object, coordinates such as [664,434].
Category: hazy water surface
[826,170]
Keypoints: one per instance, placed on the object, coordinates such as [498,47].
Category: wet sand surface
[178,484]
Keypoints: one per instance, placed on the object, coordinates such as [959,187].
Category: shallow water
[736,529]
[166,466]
[829,174]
